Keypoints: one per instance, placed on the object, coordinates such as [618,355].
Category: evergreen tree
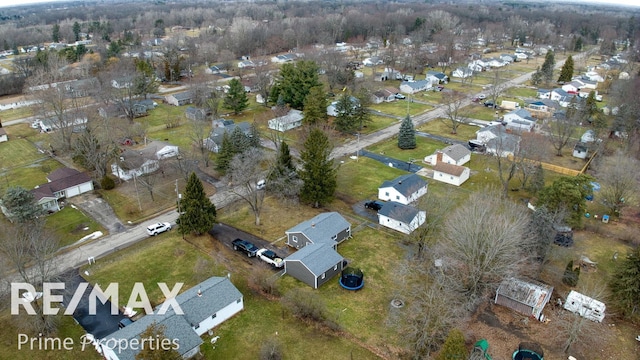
[407,134]
[536,78]
[590,106]
[295,83]
[345,108]
[55,33]
[239,141]
[361,114]
[454,347]
[197,212]
[21,205]
[236,98]
[568,193]
[547,67]
[566,73]
[225,154]
[283,178]
[315,107]
[160,352]
[253,139]
[578,45]
[76,30]
[571,275]
[318,173]
[625,285]
[537,180]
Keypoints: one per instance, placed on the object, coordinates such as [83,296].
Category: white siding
[451,179]
[220,316]
[391,194]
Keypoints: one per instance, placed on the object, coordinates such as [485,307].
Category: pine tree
[253,140]
[236,98]
[625,284]
[197,212]
[345,120]
[295,82]
[21,205]
[536,78]
[547,67]
[537,180]
[454,347]
[225,154]
[361,113]
[315,107]
[590,106]
[76,30]
[407,134]
[318,173]
[283,178]
[160,352]
[55,33]
[566,73]
[578,45]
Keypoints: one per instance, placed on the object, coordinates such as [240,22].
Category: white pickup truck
[270,258]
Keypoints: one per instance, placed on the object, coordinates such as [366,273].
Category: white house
[372,61]
[451,173]
[519,120]
[462,73]
[580,150]
[412,87]
[246,64]
[594,76]
[3,135]
[497,141]
[332,110]
[585,306]
[281,59]
[400,217]
[291,120]
[205,306]
[134,163]
[454,154]
[404,189]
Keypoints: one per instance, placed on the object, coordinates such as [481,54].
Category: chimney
[438,157]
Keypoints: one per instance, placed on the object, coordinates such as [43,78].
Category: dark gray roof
[318,258]
[321,227]
[397,211]
[405,184]
[218,132]
[456,151]
[185,95]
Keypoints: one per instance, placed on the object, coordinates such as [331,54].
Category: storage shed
[525,297]
[585,306]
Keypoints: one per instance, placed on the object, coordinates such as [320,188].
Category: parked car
[563,235]
[400,96]
[438,88]
[270,257]
[158,228]
[373,205]
[490,104]
[245,246]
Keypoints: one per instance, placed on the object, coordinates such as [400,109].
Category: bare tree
[562,127]
[503,147]
[618,175]
[483,242]
[198,133]
[531,151]
[439,207]
[455,110]
[497,87]
[96,146]
[245,170]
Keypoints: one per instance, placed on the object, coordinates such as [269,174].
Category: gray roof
[321,227]
[185,95]
[397,211]
[438,74]
[522,113]
[531,293]
[456,151]
[420,84]
[318,258]
[217,133]
[405,184]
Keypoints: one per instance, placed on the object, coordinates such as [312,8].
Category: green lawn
[17,113]
[18,152]
[360,179]
[400,107]
[443,128]
[521,92]
[423,148]
[70,224]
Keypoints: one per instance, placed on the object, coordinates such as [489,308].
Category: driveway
[99,210]
[400,164]
[102,323]
[227,233]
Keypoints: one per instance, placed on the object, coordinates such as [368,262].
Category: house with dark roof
[214,141]
[179,99]
[519,120]
[280,59]
[401,217]
[453,154]
[541,109]
[137,162]
[61,184]
[196,114]
[525,297]
[383,95]
[437,77]
[314,264]
[330,228]
[403,189]
[204,307]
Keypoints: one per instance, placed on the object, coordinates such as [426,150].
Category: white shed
[585,306]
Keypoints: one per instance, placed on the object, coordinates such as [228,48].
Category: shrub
[271,350]
[571,276]
[305,304]
[107,183]
[264,280]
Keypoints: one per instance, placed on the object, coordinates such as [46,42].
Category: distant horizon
[634,3]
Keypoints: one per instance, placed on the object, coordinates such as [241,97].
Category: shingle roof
[321,227]
[318,258]
[60,179]
[525,292]
[405,184]
[397,211]
[452,169]
[185,95]
[456,151]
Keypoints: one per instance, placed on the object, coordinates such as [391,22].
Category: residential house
[179,99]
[388,74]
[454,154]
[122,82]
[571,87]
[508,58]
[314,264]
[451,173]
[585,306]
[81,88]
[519,120]
[3,135]
[280,59]
[383,95]
[462,73]
[217,69]
[404,189]
[134,163]
[291,120]
[62,183]
[332,110]
[214,141]
[246,64]
[412,87]
[479,65]
[401,217]
[372,61]
[593,76]
[519,126]
[68,121]
[437,77]
[498,141]
[521,56]
[580,150]
[496,63]
[561,97]
[196,114]
[205,306]
[541,109]
[329,227]
[543,94]
[525,297]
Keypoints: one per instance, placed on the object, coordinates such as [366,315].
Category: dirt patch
[80,229]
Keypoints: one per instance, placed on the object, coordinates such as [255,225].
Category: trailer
[585,306]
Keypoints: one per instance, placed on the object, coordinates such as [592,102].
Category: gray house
[205,306]
[179,99]
[196,114]
[314,264]
[214,141]
[330,228]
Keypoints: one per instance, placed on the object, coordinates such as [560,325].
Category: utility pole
[135,184]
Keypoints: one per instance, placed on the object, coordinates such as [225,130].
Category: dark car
[490,104]
[563,235]
[245,246]
[373,205]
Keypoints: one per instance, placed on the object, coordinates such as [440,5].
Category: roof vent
[313,225]
[199,293]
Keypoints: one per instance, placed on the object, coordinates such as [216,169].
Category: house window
[452,178]
[322,276]
[335,267]
[214,316]
[294,238]
[397,197]
[386,194]
[440,174]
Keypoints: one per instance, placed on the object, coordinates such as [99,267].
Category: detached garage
[314,264]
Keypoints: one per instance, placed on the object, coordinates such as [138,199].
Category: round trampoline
[528,351]
[352,279]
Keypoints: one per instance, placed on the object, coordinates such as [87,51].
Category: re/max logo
[137,300]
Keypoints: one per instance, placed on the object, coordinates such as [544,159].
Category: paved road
[114,242]
[400,164]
